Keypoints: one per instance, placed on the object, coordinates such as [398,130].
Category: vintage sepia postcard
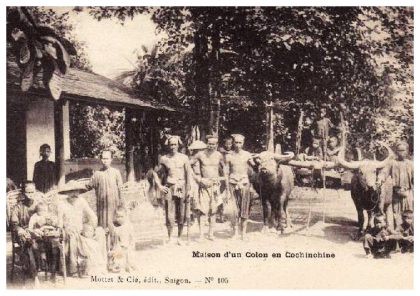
[173,147]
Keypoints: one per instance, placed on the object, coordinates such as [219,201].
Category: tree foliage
[360,57]
[62,25]
[95,128]
[92,127]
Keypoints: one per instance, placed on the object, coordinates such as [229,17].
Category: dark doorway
[16,143]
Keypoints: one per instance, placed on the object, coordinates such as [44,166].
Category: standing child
[323,125]
[93,262]
[121,252]
[307,132]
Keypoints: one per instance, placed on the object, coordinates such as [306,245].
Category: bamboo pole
[299,133]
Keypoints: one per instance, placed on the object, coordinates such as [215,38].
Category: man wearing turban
[175,169]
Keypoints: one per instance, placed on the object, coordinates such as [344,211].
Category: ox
[367,192]
[274,183]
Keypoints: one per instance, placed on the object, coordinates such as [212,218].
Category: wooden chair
[51,199]
[17,248]
[147,218]
[11,201]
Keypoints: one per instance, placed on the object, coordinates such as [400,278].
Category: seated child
[120,255]
[405,232]
[379,241]
[41,225]
[332,149]
[42,221]
[314,152]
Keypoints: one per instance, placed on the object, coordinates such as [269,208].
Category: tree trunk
[202,77]
[270,128]
[214,82]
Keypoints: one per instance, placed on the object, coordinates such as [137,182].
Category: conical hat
[72,186]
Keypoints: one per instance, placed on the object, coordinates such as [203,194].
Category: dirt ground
[166,266]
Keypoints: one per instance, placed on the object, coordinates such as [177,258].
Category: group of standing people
[320,140]
[394,232]
[205,183]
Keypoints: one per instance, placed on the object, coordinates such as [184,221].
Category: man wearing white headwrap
[211,164]
[401,170]
[175,185]
[237,207]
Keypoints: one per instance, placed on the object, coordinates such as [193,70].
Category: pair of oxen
[275,181]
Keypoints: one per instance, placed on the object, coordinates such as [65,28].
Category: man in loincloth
[401,171]
[211,174]
[194,148]
[239,186]
[225,150]
[175,169]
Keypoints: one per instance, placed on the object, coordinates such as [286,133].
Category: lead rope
[374,200]
[310,200]
[260,195]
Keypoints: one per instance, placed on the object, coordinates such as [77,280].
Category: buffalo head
[366,169]
[268,161]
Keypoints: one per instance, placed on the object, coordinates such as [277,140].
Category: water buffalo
[274,184]
[367,193]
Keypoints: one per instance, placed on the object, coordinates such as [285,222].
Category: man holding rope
[175,184]
[239,185]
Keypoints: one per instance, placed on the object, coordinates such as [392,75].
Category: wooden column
[60,144]
[129,146]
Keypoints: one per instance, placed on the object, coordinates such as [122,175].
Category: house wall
[39,130]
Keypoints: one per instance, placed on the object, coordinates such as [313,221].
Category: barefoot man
[239,186]
[211,173]
[175,185]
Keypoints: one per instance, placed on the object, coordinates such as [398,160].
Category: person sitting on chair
[19,222]
[73,211]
